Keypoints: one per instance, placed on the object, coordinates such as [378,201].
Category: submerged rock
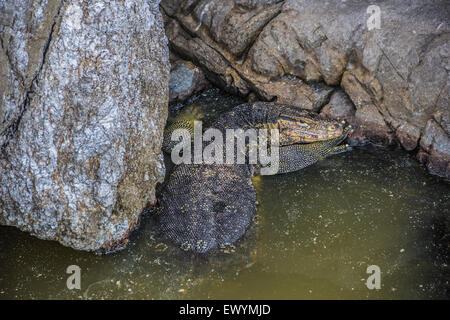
[396,75]
[84,103]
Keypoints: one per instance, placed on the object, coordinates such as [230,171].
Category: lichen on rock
[397,76]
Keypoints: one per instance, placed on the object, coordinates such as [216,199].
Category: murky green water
[316,232]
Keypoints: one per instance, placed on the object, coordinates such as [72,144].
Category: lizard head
[307,127]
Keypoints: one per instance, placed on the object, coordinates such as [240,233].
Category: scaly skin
[295,125]
[298,156]
[205,206]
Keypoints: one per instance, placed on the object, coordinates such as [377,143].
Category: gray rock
[370,124]
[408,136]
[435,144]
[321,95]
[185,80]
[84,102]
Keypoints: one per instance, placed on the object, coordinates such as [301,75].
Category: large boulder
[84,94]
[396,76]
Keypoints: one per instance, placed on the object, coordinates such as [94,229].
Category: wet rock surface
[84,103]
[340,214]
[435,144]
[396,76]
